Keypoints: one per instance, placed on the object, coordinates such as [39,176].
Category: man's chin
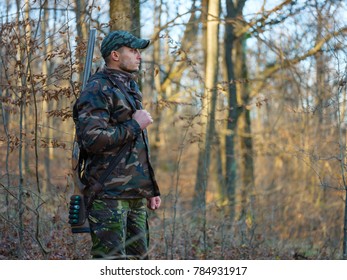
[130,71]
[134,71]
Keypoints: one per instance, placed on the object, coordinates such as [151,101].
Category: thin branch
[287,63]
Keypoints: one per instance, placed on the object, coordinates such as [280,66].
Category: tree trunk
[20,148]
[230,161]
[245,135]
[45,104]
[198,191]
[156,85]
[208,103]
[28,112]
[125,15]
[82,32]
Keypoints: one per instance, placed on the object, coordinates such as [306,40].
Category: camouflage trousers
[119,229]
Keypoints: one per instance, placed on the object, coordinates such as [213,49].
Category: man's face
[129,59]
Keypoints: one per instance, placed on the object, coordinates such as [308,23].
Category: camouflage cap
[120,38]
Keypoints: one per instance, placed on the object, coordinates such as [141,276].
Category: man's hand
[143,118]
[153,203]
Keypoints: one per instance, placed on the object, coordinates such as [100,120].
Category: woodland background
[249,139]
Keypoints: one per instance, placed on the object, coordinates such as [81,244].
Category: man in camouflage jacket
[105,122]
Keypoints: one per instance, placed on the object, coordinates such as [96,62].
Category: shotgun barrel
[89,58]
[78,214]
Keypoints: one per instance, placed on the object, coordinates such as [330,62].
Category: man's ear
[115,55]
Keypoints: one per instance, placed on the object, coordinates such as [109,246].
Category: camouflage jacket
[103,125]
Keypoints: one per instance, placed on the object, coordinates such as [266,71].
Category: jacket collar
[128,79]
[122,76]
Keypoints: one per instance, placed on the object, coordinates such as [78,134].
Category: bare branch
[286,63]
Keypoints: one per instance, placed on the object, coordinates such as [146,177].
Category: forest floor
[165,244]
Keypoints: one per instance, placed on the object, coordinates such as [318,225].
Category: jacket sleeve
[93,127]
